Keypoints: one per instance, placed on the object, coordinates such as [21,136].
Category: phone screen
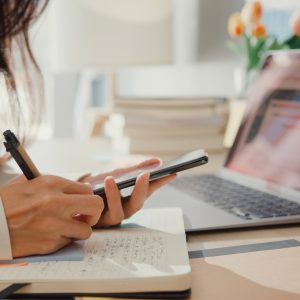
[181,163]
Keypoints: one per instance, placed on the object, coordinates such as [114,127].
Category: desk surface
[92,155]
[272,274]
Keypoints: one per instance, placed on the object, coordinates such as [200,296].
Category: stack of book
[168,127]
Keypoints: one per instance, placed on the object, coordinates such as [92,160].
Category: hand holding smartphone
[186,161]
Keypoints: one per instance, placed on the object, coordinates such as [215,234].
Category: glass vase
[243,79]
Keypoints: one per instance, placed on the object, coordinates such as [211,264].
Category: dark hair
[16,16]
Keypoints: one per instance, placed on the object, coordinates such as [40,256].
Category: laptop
[259,183]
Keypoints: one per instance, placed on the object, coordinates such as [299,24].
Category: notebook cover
[150,295]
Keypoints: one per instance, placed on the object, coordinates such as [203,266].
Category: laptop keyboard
[239,200]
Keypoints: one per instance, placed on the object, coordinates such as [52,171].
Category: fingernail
[110,181]
[151,161]
[145,176]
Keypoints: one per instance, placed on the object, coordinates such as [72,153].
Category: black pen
[19,154]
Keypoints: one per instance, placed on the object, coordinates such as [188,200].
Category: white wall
[99,33]
[200,30]
[281,4]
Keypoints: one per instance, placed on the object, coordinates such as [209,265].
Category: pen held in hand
[21,157]
[19,154]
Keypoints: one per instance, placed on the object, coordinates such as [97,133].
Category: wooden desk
[273,274]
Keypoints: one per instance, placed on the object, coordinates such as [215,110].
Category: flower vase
[236,113]
[242,79]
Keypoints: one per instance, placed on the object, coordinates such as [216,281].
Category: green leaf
[248,51]
[274,44]
[235,47]
[258,51]
[255,49]
[260,44]
[293,42]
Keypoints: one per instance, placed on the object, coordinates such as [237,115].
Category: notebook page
[144,247]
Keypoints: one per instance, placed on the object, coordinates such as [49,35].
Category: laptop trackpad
[197,214]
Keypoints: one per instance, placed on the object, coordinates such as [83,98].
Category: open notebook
[146,256]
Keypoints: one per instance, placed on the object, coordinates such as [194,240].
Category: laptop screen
[267,145]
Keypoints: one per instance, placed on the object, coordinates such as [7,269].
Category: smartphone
[186,161]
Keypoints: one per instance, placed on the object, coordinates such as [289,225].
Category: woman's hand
[48,212]
[120,208]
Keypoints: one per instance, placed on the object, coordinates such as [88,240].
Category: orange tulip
[252,12]
[235,25]
[259,30]
[295,22]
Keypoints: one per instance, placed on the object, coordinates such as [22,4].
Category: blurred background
[150,76]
